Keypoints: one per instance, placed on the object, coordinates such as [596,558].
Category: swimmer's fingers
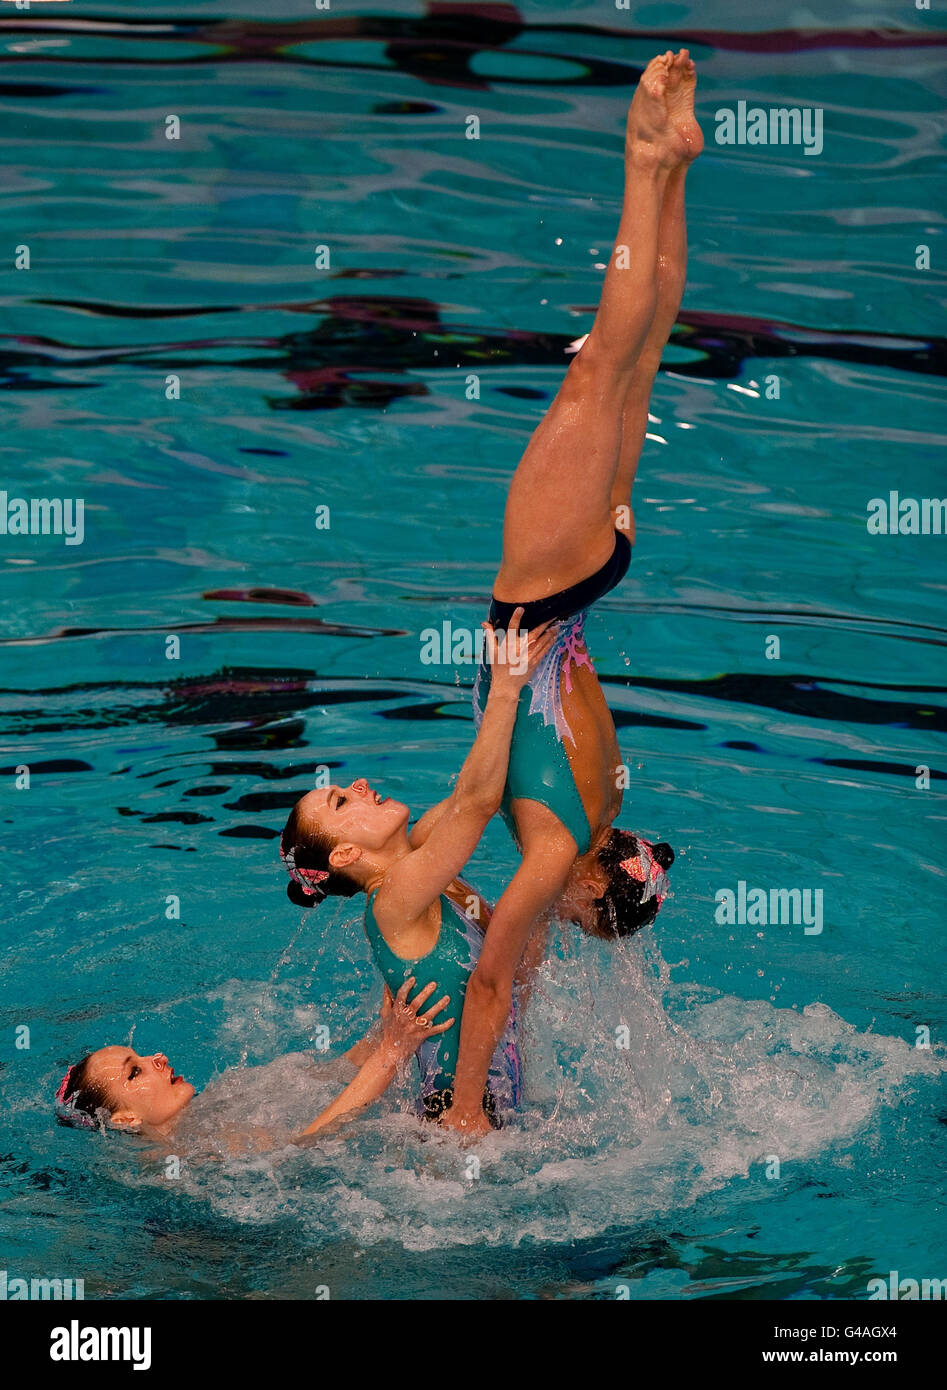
[442,1003]
[505,650]
[408,1029]
[422,1024]
[539,642]
[402,995]
[441,1027]
[415,1004]
[526,650]
[489,643]
[515,640]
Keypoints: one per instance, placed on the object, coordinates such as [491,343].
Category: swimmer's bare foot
[662,129]
[648,122]
[681,85]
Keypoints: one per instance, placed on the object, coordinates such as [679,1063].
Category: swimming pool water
[346,387]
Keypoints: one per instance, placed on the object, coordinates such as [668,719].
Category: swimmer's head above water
[618,887]
[117,1087]
[336,838]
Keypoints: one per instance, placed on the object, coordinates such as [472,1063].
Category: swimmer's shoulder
[408,938]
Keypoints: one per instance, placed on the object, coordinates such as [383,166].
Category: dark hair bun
[664,854]
[296,895]
[621,908]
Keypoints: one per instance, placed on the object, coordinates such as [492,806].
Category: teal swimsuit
[539,768]
[450,963]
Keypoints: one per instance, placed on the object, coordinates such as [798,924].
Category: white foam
[710,1086]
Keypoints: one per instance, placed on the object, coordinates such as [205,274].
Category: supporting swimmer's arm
[415,881]
[402,1037]
[374,1077]
[532,957]
[422,830]
[361,1051]
[533,889]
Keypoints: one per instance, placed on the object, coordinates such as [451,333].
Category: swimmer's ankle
[645,157]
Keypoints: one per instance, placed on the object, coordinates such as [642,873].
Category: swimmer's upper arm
[414,882]
[419,833]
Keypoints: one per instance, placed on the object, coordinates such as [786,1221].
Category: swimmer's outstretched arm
[532,890]
[421,830]
[361,1051]
[402,1036]
[415,881]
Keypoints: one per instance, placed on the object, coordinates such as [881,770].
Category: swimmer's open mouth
[379,800]
[175,1079]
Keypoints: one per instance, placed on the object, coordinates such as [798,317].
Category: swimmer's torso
[453,947]
[564,752]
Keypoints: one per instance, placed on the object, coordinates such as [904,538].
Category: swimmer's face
[354,815]
[140,1090]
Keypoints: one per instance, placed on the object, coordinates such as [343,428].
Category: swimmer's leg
[671,275]
[568,471]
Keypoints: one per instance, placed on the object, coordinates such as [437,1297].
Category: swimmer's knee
[604,364]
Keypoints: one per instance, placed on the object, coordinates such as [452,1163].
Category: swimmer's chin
[157,1128]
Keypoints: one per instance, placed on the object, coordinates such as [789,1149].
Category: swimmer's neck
[586,864]
[384,860]
[586,879]
[167,1127]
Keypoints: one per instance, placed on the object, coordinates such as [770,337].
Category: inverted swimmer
[562,794]
[117,1088]
[564,791]
[561,799]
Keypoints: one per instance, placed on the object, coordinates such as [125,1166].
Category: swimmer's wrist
[465,1119]
[504,692]
[462,1112]
[389,1054]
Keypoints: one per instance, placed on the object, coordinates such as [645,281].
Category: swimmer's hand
[466,1127]
[407,1024]
[514,655]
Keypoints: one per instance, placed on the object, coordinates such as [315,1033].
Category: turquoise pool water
[645,1170]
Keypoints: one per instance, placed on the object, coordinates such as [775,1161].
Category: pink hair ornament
[645,869]
[304,877]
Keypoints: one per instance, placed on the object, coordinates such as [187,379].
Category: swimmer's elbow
[479,803]
[488,990]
